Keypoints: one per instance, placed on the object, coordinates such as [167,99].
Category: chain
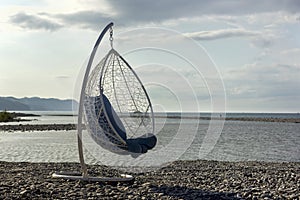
[111,37]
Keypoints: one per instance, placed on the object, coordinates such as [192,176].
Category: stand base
[78,176]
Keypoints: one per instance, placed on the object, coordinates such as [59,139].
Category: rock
[23,192]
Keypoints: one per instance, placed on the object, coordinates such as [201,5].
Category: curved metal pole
[82,94]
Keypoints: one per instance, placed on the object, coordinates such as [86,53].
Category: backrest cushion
[114,118]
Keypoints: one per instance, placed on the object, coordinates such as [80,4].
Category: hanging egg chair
[115,109]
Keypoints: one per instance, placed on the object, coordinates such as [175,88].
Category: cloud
[261,81]
[263,41]
[34,22]
[290,51]
[47,21]
[62,77]
[222,33]
[263,38]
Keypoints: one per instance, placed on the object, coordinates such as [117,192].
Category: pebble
[197,179]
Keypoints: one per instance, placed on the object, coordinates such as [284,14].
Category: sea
[181,136]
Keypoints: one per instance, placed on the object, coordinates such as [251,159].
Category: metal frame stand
[84,174]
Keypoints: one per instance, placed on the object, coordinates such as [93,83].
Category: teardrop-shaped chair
[116,109]
[114,79]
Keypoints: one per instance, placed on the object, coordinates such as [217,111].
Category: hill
[36,104]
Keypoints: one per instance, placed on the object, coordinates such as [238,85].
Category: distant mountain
[37,104]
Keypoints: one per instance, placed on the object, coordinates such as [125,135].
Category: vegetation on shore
[12,117]
[6,116]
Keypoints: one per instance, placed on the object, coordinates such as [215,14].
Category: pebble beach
[182,179]
[198,179]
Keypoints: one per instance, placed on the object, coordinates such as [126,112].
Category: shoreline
[67,127]
[38,127]
[198,179]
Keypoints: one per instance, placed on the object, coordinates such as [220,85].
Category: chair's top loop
[111,37]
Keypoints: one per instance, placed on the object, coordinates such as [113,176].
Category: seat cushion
[135,145]
[141,144]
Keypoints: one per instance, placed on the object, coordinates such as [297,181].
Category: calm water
[238,141]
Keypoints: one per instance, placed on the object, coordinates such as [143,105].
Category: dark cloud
[134,12]
[152,11]
[34,22]
[85,19]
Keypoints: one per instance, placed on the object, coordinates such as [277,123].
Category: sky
[237,56]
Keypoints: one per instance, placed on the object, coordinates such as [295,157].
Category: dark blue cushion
[114,118]
[135,145]
[141,145]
